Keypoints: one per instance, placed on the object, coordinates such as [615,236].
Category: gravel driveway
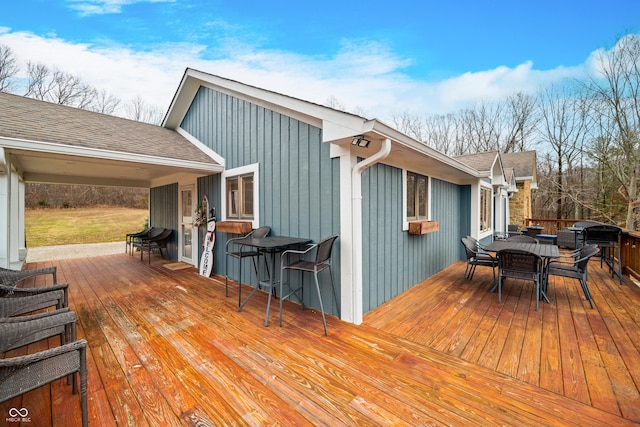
[50,253]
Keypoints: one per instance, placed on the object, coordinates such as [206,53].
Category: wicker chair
[321,262]
[520,265]
[476,257]
[154,241]
[21,374]
[240,255]
[16,332]
[12,277]
[17,301]
[573,268]
[131,238]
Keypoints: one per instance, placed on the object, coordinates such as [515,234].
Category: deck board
[168,348]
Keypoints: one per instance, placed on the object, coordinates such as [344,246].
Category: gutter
[356,226]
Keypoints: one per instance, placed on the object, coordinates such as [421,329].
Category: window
[417,196]
[485,209]
[240,197]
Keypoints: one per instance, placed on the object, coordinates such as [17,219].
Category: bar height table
[271,245]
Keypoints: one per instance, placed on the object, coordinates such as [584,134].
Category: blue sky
[376,58]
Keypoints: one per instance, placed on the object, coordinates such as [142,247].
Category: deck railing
[629,242]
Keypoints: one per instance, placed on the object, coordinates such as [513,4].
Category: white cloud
[101,7]
[364,76]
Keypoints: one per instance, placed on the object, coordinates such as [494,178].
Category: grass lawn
[47,227]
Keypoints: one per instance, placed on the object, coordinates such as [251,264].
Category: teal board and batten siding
[299,182]
[163,212]
[393,260]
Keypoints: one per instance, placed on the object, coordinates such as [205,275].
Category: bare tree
[8,68]
[520,111]
[58,87]
[617,89]
[564,128]
[105,103]
[139,110]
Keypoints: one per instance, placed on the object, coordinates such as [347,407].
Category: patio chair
[607,237]
[321,262]
[155,242]
[573,268]
[522,238]
[475,257]
[10,277]
[520,265]
[16,332]
[17,301]
[21,374]
[136,241]
[513,229]
[240,255]
[130,238]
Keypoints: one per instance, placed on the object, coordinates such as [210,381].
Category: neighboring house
[399,206]
[524,167]
[495,191]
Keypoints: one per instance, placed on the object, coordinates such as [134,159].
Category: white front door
[187,238]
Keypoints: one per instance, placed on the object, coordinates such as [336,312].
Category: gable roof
[523,163]
[482,162]
[338,127]
[48,139]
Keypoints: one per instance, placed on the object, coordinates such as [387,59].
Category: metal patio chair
[321,262]
[520,265]
[239,254]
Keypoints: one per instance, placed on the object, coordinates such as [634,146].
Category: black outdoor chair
[155,242]
[513,229]
[524,238]
[573,268]
[321,262]
[476,257]
[131,238]
[520,265]
[238,253]
[607,237]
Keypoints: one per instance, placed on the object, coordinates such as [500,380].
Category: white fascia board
[3,162]
[202,147]
[54,148]
[399,137]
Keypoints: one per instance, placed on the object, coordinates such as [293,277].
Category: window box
[234,227]
[423,227]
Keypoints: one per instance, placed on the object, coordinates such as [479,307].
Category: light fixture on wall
[360,141]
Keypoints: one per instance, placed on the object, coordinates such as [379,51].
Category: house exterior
[263,158]
[524,167]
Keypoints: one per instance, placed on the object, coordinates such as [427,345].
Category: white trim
[242,170]
[405,221]
[200,146]
[187,186]
[54,148]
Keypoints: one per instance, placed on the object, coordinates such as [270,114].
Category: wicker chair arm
[33,316]
[18,361]
[18,334]
[32,291]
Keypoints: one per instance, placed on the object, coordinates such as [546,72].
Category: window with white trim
[486,219]
[417,196]
[240,197]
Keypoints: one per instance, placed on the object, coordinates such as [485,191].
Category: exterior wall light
[360,141]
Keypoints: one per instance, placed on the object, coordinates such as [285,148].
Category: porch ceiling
[55,168]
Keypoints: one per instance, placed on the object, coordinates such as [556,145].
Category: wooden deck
[167,348]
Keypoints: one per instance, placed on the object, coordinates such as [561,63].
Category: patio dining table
[546,252]
[271,245]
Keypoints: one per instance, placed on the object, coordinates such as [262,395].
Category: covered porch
[167,348]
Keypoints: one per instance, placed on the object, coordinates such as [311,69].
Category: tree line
[585,132]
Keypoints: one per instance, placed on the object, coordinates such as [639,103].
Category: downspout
[356,226]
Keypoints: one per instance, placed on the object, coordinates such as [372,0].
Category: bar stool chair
[240,255]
